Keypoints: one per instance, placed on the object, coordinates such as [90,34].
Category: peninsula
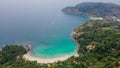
[94,9]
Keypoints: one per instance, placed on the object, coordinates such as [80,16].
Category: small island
[98,41]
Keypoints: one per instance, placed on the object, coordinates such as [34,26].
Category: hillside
[94,9]
[99,43]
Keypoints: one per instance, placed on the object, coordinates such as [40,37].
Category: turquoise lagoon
[40,23]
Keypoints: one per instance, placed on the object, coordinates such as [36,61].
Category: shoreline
[52,60]
[77,44]
[56,59]
[95,18]
[45,60]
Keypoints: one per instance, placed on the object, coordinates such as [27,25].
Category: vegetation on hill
[99,48]
[10,52]
[94,9]
[99,43]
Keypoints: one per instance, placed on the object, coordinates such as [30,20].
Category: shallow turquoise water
[40,23]
[57,41]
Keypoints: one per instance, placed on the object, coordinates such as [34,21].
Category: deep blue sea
[40,23]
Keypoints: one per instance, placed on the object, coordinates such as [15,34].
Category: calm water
[41,23]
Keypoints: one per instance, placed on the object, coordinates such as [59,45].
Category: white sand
[96,18]
[45,60]
[51,60]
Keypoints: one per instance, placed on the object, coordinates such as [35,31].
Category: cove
[40,23]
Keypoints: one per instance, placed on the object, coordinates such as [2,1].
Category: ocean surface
[40,23]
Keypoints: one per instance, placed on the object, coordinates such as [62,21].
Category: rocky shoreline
[77,44]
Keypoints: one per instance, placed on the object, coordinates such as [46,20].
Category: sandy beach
[96,18]
[52,60]
[45,60]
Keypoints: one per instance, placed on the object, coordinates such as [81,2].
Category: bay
[41,23]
